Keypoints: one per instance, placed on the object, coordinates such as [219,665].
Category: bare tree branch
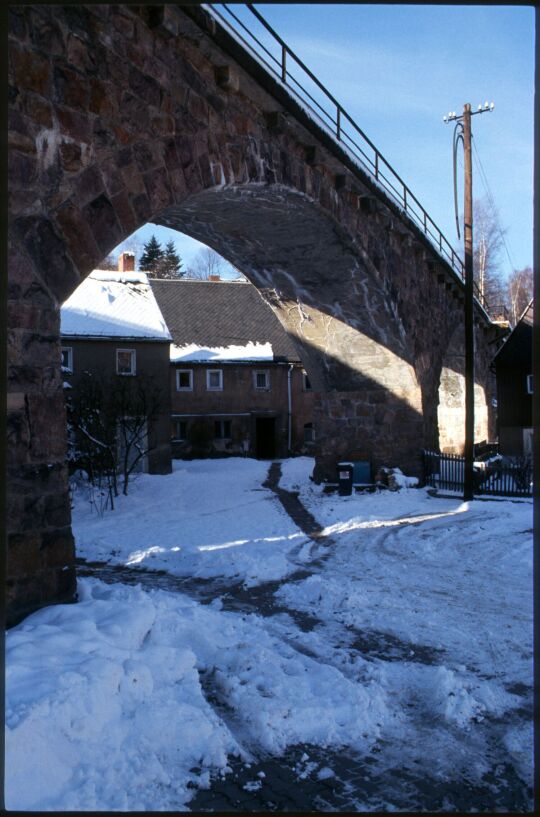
[520,292]
[207,263]
[110,420]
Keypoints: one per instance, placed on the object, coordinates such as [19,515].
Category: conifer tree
[151,256]
[170,265]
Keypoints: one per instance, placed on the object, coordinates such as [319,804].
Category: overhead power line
[491,200]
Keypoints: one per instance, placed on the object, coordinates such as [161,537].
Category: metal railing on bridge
[335,120]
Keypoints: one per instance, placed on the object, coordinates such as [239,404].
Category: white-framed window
[222,429]
[530,384]
[306,384]
[67,358]
[179,429]
[309,434]
[214,379]
[184,380]
[126,361]
[261,379]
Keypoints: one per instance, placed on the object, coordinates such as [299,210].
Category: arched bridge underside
[120,115]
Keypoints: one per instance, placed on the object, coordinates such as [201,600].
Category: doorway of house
[265,438]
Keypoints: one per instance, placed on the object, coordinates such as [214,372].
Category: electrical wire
[491,200]
[458,134]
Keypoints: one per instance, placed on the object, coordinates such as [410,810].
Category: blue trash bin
[362,472]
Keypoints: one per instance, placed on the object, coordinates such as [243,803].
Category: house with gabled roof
[237,381]
[111,328]
[514,373]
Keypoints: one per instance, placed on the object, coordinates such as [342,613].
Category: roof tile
[220,314]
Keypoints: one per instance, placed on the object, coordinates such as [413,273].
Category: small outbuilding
[515,387]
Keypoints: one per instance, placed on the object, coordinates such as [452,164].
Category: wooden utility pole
[463,131]
[468,486]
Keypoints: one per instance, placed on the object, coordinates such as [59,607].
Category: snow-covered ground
[208,518]
[419,650]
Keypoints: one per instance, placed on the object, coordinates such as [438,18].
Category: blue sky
[397,69]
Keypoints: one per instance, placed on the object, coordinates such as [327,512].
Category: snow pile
[460,703]
[113,304]
[213,354]
[112,702]
[397,479]
[394,478]
[208,518]
[109,692]
[288,698]
[441,694]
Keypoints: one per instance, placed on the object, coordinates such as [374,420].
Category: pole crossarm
[487,107]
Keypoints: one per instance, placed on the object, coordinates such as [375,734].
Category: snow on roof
[113,304]
[250,351]
[519,340]
[528,313]
[119,277]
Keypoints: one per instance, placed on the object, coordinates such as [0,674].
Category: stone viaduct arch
[120,115]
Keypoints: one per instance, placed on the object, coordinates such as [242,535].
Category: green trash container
[345,478]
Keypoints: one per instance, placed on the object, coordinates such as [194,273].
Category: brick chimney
[214,278]
[126,262]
